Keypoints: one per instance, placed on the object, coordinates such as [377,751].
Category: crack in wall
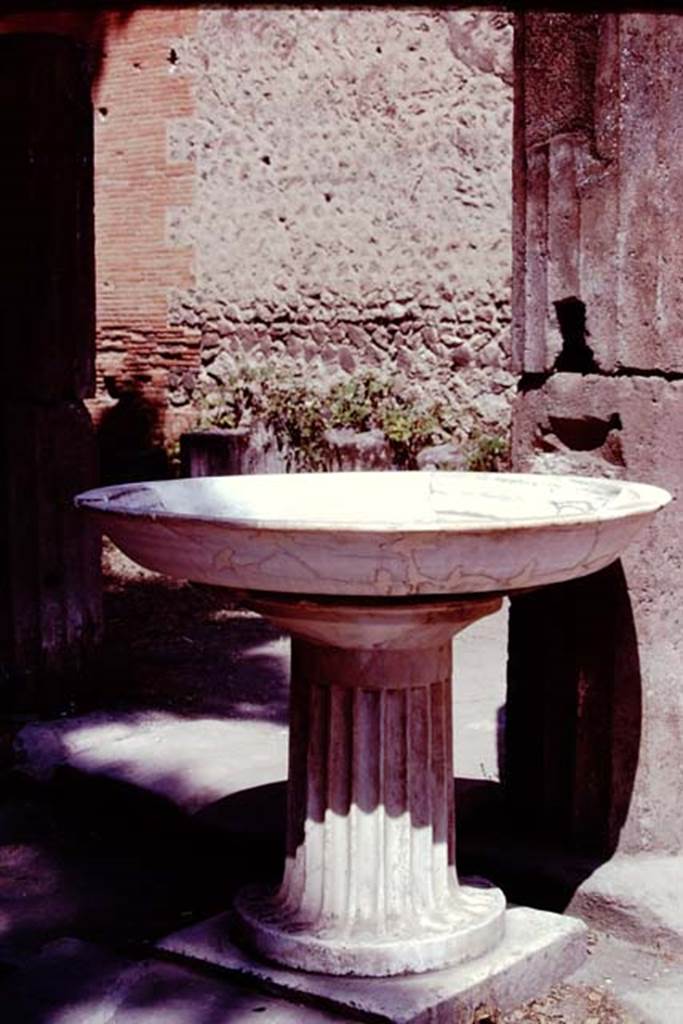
[576,355]
[535,380]
[634,371]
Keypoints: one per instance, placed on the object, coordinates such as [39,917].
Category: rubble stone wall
[317,188]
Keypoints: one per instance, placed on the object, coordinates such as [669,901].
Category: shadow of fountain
[571,742]
[187,649]
[113,866]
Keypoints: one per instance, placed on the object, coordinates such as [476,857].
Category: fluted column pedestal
[370,886]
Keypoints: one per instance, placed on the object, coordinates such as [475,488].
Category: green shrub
[298,411]
[487,453]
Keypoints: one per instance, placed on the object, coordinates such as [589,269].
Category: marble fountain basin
[373,534]
[372,574]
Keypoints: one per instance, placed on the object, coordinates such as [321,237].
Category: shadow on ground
[118,862]
[184,647]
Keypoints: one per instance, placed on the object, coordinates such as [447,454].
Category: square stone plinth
[538,950]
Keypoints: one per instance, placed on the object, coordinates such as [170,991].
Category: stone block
[47,288]
[651,189]
[76,982]
[538,950]
[637,897]
[50,604]
[442,456]
[595,712]
[214,452]
[358,450]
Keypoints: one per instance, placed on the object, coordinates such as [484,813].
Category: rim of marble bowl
[630,499]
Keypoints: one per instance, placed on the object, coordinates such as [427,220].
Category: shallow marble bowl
[375,534]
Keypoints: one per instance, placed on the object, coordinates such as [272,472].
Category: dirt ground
[570,1005]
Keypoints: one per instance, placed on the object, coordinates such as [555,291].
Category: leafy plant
[295,412]
[487,453]
[238,399]
[356,403]
[172,449]
[298,411]
[408,431]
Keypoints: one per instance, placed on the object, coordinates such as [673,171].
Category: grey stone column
[49,558]
[595,706]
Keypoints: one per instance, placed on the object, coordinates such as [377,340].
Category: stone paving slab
[639,897]
[75,982]
[660,1004]
[646,982]
[539,948]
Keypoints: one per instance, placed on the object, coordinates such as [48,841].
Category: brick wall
[138,94]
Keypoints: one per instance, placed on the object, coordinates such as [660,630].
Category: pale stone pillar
[595,706]
[370,885]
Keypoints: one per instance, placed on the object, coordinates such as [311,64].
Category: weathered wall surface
[603,138]
[597,294]
[351,203]
[137,96]
[325,187]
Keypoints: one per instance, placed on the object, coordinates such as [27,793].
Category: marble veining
[375,534]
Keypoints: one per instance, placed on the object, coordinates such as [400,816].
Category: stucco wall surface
[352,194]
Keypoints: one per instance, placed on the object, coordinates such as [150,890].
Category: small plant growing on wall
[237,400]
[487,453]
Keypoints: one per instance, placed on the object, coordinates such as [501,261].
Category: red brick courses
[138,89]
[138,93]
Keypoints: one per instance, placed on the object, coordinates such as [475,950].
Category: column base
[538,950]
[471,924]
